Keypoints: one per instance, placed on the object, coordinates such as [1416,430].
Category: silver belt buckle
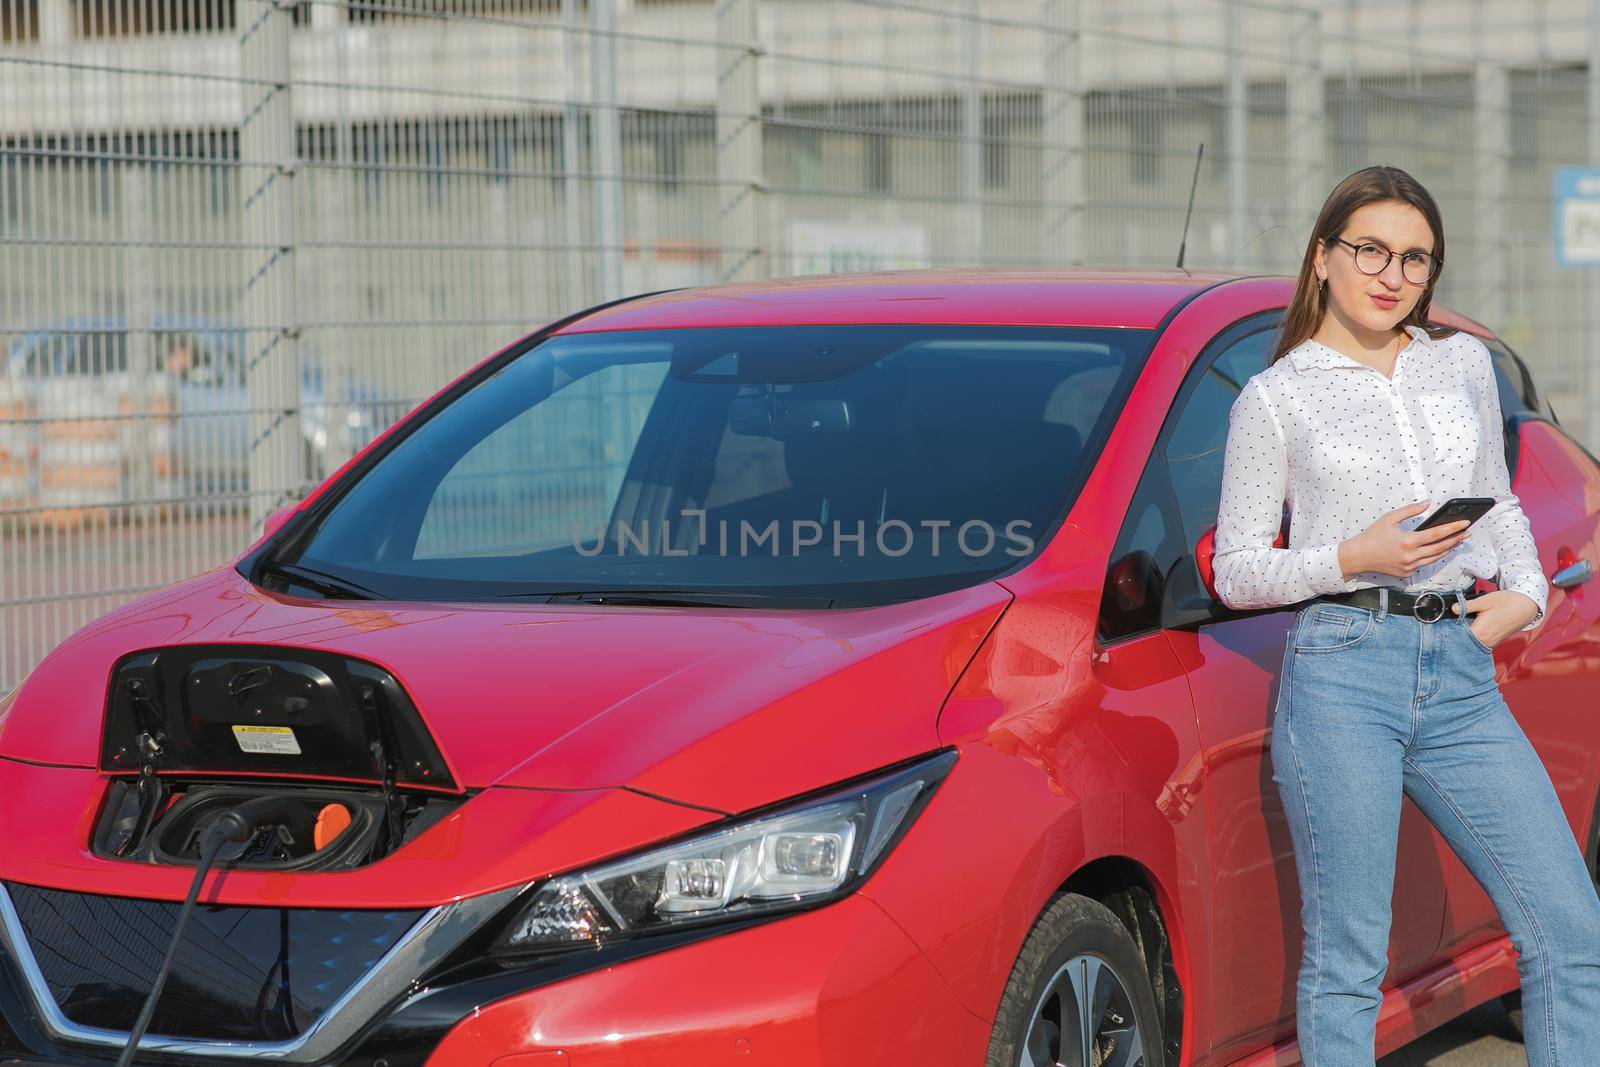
[1433,614]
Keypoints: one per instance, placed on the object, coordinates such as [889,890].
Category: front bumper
[838,985]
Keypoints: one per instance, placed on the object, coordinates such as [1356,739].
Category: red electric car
[810,672]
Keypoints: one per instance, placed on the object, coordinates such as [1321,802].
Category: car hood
[718,708]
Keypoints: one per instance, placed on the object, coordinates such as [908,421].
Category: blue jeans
[1372,703]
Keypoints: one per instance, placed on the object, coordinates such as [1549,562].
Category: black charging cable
[236,825]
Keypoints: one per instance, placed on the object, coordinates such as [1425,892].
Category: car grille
[240,974]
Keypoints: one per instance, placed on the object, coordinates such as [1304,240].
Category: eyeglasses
[1418,268]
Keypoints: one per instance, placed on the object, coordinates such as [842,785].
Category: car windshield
[818,465]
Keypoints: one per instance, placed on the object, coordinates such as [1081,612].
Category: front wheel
[1078,995]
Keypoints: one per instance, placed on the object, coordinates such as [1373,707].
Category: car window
[1518,396]
[1532,400]
[557,464]
[1508,379]
[1200,433]
[1518,390]
[1148,547]
[851,463]
[1177,496]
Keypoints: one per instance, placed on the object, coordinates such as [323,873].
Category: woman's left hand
[1503,612]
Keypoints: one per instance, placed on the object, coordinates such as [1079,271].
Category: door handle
[1572,575]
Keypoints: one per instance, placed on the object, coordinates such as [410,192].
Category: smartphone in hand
[1471,508]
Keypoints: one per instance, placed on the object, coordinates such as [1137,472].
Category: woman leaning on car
[1365,420]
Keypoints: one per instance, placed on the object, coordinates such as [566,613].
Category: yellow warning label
[267,740]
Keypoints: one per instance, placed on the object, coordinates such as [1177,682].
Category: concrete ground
[1478,1038]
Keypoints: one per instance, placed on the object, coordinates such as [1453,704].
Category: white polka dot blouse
[1341,444]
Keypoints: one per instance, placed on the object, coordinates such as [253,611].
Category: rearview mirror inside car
[770,414]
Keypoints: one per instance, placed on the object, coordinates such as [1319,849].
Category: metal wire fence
[240,237]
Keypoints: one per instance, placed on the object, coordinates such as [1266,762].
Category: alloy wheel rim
[1085,1018]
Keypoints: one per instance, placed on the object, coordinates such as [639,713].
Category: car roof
[1138,297]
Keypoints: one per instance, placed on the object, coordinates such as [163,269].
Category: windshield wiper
[676,598]
[326,584]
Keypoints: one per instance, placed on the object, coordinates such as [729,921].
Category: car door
[1233,660]
[1545,679]
[1549,675]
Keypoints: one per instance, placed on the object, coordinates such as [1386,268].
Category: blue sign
[1575,225]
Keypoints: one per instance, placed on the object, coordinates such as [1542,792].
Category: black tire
[1042,989]
[1512,1002]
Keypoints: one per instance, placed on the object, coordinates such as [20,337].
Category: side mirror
[1131,600]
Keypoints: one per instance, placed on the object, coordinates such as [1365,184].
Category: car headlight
[802,854]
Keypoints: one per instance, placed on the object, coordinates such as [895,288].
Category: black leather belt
[1428,606]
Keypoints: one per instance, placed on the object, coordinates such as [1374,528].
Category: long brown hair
[1365,186]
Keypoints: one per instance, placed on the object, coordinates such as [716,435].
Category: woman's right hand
[1385,548]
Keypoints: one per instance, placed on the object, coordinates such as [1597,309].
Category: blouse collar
[1310,353]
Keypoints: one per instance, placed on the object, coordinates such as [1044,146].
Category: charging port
[352,824]
[193,731]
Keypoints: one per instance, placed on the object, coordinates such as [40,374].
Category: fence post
[743,252]
[972,127]
[141,434]
[606,129]
[1061,110]
[1304,98]
[579,276]
[267,166]
[328,16]
[55,21]
[1238,97]
[1492,99]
